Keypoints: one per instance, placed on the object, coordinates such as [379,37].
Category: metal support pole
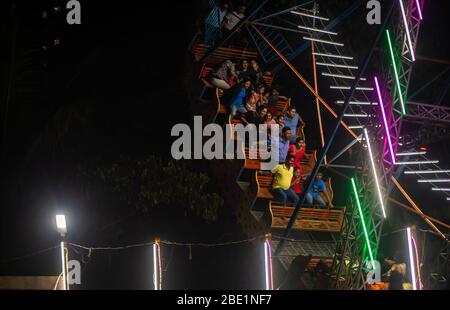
[434,79]
[339,166]
[157,265]
[268,262]
[418,213]
[400,188]
[341,152]
[64,259]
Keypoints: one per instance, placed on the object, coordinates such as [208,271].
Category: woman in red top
[255,99]
[296,182]
[298,150]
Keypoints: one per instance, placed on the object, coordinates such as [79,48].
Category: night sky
[114,86]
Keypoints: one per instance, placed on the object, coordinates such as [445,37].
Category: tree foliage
[150,183]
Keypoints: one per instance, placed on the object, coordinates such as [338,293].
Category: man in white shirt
[232,19]
[214,22]
[217,15]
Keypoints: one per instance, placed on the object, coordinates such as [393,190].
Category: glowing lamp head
[61,224]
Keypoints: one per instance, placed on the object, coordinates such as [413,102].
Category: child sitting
[296,182]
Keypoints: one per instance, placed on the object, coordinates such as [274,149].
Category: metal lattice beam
[428,113]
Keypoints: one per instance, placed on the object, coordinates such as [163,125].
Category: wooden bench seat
[314,261]
[264,185]
[280,108]
[223,53]
[323,220]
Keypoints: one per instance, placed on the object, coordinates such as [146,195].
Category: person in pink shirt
[269,120]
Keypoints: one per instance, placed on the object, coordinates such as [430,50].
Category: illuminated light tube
[427,172]
[419,9]
[268,264]
[434,181]
[356,115]
[336,66]
[440,189]
[361,215]
[348,88]
[397,78]
[448,198]
[356,127]
[323,41]
[156,266]
[411,153]
[419,162]
[411,260]
[309,15]
[417,262]
[333,56]
[374,171]
[408,35]
[318,30]
[388,135]
[348,77]
[357,102]
[63,266]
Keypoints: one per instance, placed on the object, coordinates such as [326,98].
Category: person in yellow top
[282,176]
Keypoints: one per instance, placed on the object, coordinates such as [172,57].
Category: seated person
[214,21]
[255,98]
[273,100]
[298,150]
[296,182]
[313,195]
[232,19]
[283,144]
[222,76]
[280,122]
[292,120]
[256,73]
[256,118]
[244,72]
[281,186]
[269,121]
[265,98]
[238,100]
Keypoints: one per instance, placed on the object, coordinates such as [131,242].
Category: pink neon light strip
[419,9]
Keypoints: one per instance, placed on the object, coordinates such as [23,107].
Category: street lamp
[62,230]
[61,224]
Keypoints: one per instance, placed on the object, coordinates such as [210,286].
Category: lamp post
[62,230]
[157,265]
[268,262]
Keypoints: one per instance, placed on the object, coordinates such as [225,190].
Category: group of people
[227,75]
[253,102]
[288,183]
